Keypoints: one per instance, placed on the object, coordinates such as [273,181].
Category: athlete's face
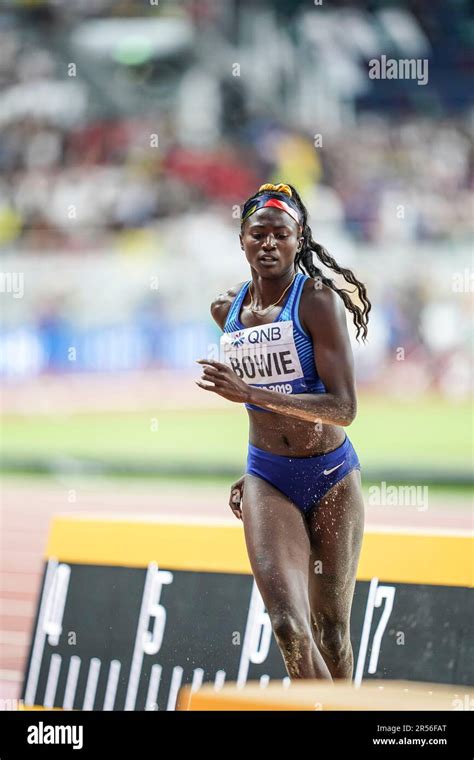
[271,240]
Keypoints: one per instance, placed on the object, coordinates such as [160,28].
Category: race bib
[265,356]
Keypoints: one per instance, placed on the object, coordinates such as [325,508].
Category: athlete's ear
[241,241]
[300,238]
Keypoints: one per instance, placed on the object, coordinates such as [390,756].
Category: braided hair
[304,261]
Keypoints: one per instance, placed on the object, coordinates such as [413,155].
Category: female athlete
[287,357]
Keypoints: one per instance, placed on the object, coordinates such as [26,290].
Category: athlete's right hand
[236,495]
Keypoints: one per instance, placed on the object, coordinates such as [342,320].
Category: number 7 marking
[376,595]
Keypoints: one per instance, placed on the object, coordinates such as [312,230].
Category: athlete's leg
[279,550]
[336,527]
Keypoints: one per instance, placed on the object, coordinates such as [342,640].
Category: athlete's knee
[290,629]
[334,635]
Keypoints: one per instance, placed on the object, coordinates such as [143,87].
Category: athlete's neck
[265,290]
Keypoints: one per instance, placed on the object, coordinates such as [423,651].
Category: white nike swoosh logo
[328,472]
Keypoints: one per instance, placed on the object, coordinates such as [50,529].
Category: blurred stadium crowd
[130,134]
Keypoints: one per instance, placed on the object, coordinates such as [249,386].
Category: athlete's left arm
[324,318]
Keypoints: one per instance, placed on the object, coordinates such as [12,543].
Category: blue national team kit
[279,356]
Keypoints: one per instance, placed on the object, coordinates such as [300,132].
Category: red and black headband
[273,196]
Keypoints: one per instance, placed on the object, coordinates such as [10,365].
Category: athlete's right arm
[219,310]
[220,306]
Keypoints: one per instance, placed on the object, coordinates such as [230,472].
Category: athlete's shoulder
[320,306]
[220,306]
[316,295]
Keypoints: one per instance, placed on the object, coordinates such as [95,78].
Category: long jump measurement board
[132,609]
[324,695]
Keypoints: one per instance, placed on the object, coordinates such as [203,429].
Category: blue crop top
[277,355]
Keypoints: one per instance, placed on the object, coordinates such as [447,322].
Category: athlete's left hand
[225,381]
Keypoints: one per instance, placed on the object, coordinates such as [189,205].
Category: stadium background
[129,134]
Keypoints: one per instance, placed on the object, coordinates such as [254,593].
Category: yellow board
[321,695]
[27,708]
[219,546]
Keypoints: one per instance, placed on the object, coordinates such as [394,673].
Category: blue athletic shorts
[305,480]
